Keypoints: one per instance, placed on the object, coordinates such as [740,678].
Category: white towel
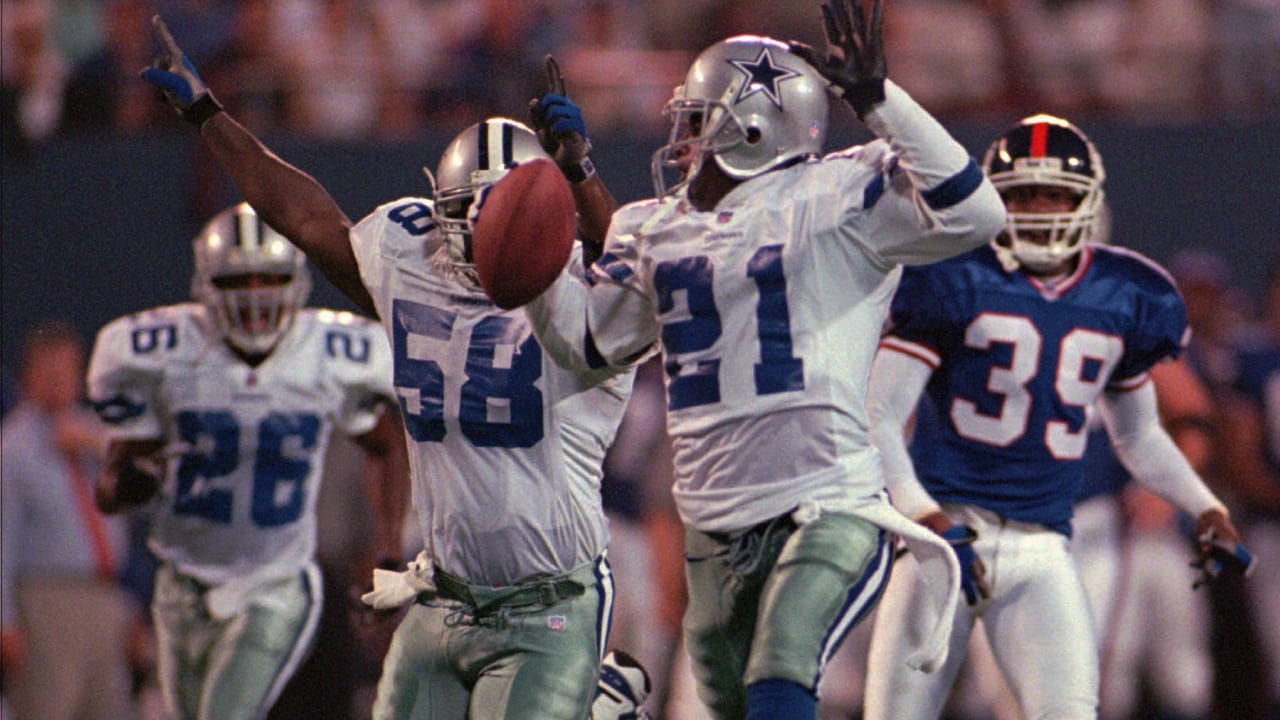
[392,589]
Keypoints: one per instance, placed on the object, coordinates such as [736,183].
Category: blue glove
[560,127]
[562,115]
[1218,557]
[972,572]
[172,72]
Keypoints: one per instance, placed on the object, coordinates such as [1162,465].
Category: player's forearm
[284,196]
[955,205]
[290,201]
[897,380]
[595,206]
[1149,454]
[924,147]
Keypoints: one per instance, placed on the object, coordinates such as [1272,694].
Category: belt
[542,592]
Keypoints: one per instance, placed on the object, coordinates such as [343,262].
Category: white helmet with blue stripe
[477,158]
[250,277]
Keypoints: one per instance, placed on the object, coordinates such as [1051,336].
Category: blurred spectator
[77,28]
[418,34]
[1069,47]
[1248,56]
[605,42]
[66,619]
[247,75]
[206,26]
[1251,469]
[1135,552]
[1216,312]
[35,74]
[1162,67]
[497,67]
[1218,315]
[103,92]
[337,69]
[947,77]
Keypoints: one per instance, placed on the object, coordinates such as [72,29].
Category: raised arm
[1148,452]
[285,197]
[948,206]
[563,133]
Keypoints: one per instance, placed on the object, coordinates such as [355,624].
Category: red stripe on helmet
[1039,140]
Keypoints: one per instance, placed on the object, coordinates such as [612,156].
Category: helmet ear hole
[753,135]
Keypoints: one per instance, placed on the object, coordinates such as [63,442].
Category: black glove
[1218,557]
[138,480]
[855,53]
[177,78]
[560,127]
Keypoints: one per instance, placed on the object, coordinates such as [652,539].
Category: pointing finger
[166,39]
[555,81]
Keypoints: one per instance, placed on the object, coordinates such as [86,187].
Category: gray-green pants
[231,669]
[485,659]
[775,601]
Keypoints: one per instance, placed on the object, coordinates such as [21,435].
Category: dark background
[95,227]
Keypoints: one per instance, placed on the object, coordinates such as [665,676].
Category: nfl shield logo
[555,622]
[724,217]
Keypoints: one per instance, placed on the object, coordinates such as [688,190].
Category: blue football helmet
[1044,150]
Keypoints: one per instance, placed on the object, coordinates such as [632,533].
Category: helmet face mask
[1045,152]
[478,157]
[748,104]
[251,279]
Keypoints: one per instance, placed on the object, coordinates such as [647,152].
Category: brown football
[523,233]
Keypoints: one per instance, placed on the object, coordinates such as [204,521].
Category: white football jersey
[505,445]
[245,445]
[769,309]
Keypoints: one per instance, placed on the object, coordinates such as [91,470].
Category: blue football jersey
[1103,472]
[1017,363]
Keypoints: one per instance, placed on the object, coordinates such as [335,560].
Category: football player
[221,411]
[510,601]
[763,273]
[1008,345]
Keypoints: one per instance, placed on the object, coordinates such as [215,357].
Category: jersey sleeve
[1160,329]
[392,229]
[359,356]
[919,319]
[930,200]
[622,312]
[126,372]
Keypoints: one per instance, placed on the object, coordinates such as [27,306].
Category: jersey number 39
[1085,360]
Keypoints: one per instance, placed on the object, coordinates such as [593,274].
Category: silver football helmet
[1048,151]
[250,278]
[477,158]
[749,103]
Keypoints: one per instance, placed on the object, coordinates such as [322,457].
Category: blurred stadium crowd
[382,70]
[379,69]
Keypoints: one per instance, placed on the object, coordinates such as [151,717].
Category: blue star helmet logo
[763,76]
